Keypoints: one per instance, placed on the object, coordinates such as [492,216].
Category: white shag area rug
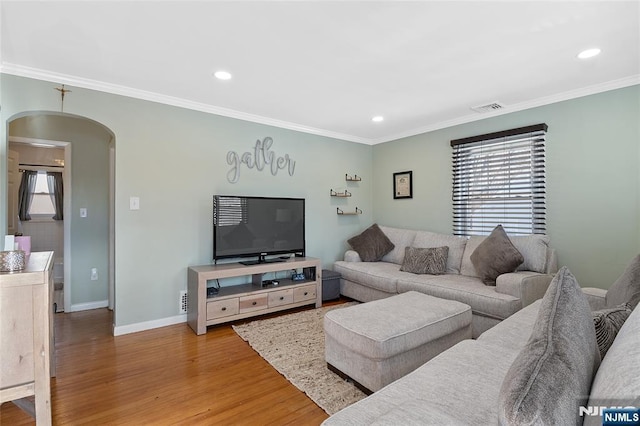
[294,345]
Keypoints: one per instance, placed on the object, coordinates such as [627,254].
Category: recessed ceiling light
[377,119]
[589,53]
[222,75]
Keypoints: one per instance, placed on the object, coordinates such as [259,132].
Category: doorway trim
[66,206]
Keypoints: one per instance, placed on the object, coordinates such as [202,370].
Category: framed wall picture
[403,185]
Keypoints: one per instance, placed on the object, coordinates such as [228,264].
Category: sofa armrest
[352,256]
[525,285]
[596,297]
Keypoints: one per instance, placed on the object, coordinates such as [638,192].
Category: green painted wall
[593,179]
[174,159]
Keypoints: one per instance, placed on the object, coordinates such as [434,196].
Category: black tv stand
[261,259]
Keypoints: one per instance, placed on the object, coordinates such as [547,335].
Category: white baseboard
[148,325]
[87,306]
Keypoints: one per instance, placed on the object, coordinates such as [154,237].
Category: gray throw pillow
[626,289]
[607,323]
[494,256]
[432,260]
[371,244]
[551,377]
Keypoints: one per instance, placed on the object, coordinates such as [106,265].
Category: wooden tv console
[250,299]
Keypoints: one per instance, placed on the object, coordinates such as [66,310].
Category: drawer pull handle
[224,308]
[281,297]
[254,303]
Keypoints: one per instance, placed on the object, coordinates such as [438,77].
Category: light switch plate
[83,212]
[134,203]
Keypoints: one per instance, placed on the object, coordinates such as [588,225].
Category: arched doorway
[88,254]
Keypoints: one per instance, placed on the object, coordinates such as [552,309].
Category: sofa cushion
[534,250]
[456,247]
[608,323]
[514,333]
[484,300]
[425,260]
[466,266]
[552,375]
[617,382]
[462,382]
[371,244]
[381,276]
[495,255]
[400,238]
[626,289]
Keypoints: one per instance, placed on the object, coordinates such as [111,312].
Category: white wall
[593,180]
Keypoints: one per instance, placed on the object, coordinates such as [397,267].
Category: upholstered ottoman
[376,343]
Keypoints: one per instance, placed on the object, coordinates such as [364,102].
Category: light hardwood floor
[163,376]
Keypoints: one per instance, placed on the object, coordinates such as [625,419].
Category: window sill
[35,219]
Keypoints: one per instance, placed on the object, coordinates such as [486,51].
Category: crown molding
[115,89]
[38,74]
[547,100]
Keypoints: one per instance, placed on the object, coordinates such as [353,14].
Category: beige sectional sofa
[367,281]
[465,385]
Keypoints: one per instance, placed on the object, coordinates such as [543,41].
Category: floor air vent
[183,302]
[493,106]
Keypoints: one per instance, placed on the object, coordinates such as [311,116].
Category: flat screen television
[257,227]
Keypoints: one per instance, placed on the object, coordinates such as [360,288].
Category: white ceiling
[327,67]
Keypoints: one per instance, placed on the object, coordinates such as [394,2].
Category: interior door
[13,183]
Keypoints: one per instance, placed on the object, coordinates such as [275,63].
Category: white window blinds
[228,211]
[499,178]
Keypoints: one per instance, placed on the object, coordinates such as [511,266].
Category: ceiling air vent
[490,107]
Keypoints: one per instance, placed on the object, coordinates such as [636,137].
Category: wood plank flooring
[165,376]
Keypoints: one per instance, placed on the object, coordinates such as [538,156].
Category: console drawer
[253,303]
[280,297]
[222,308]
[308,292]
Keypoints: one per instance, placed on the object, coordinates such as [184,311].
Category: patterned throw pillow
[607,323]
[431,260]
[371,244]
[496,255]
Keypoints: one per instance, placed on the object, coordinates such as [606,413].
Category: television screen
[257,226]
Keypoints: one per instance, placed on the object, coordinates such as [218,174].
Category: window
[499,178]
[41,205]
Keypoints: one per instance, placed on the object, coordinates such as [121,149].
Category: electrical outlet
[94,274]
[183,302]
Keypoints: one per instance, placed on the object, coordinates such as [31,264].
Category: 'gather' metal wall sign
[260,157]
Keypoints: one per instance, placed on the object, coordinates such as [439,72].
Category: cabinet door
[16,328]
[280,297]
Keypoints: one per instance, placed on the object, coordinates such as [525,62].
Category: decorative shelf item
[354,178]
[340,194]
[342,212]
